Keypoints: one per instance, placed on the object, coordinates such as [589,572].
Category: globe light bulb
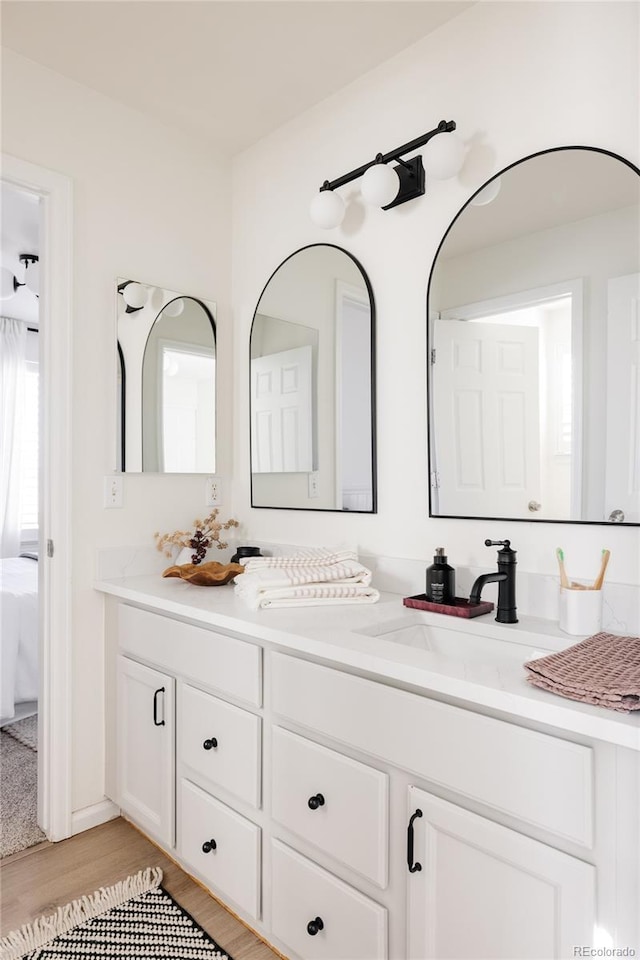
[380,185]
[134,295]
[174,308]
[488,193]
[327,209]
[444,156]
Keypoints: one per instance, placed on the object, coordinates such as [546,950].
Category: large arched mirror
[167,381]
[312,360]
[534,345]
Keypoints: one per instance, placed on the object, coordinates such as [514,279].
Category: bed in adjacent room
[18,637]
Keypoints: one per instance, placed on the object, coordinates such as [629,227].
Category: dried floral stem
[205,533]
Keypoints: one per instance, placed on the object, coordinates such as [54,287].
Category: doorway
[52,191]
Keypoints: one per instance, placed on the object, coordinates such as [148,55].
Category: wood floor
[40,879]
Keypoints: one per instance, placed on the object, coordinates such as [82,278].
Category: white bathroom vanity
[371,782]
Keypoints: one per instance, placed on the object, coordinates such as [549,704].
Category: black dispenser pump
[441,579]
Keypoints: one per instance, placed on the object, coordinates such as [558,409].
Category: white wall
[517,78]
[148,204]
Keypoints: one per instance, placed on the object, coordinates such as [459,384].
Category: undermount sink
[467,647]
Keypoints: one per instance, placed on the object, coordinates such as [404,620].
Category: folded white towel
[310,557]
[348,572]
[310,595]
[309,578]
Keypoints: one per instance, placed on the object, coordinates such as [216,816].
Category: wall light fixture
[134,295]
[385,186]
[9,283]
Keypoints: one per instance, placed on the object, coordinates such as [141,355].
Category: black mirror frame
[516,163]
[123,412]
[374,470]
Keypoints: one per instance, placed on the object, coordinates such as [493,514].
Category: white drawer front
[542,780]
[223,663]
[220,743]
[232,866]
[334,802]
[353,927]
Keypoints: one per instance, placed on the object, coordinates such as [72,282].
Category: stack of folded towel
[603,669]
[309,578]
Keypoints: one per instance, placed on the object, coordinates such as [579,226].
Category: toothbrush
[564,580]
[603,566]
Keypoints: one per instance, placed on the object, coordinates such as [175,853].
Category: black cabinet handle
[314,803]
[314,926]
[210,744]
[413,867]
[208,846]
[158,723]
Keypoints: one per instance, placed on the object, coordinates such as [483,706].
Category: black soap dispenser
[441,579]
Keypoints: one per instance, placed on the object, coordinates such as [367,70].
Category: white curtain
[13,343]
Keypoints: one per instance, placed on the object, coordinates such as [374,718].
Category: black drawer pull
[314,926]
[314,803]
[413,867]
[210,744]
[158,723]
[208,846]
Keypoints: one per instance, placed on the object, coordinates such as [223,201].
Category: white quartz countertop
[362,637]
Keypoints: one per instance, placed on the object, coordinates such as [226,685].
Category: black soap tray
[459,608]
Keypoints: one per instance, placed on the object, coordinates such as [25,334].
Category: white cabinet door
[146,762]
[484,891]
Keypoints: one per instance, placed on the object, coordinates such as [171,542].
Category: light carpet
[18,790]
[24,731]
[134,918]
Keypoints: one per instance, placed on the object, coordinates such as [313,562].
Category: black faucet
[505,577]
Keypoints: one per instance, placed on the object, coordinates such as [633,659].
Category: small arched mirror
[312,372]
[533,347]
[167,349]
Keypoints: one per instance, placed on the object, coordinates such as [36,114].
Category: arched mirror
[534,345]
[312,359]
[167,378]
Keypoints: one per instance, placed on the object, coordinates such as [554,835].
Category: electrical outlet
[314,485]
[112,492]
[212,492]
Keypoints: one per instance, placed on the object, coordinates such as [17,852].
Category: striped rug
[135,918]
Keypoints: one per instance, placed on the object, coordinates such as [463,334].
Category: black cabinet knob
[208,846]
[314,926]
[210,744]
[314,803]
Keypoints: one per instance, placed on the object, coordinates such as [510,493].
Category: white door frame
[54,708]
[345,292]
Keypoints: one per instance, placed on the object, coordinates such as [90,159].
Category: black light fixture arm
[445,126]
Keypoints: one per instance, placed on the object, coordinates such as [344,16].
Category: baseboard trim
[93,816]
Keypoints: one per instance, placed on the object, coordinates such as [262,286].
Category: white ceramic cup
[580,611]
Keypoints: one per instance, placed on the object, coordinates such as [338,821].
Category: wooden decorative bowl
[211,574]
